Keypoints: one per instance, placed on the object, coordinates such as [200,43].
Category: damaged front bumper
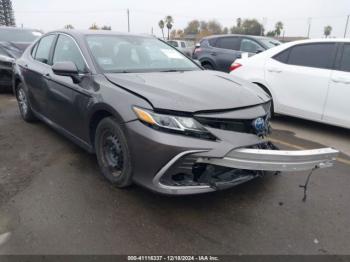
[191,173]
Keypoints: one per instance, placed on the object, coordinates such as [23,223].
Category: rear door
[337,110]
[34,72]
[226,52]
[299,78]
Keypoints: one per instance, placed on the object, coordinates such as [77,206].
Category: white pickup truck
[184,47]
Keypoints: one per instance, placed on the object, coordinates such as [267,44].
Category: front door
[68,100]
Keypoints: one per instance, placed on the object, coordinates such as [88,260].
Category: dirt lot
[54,201]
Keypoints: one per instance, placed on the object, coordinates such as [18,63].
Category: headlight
[177,124]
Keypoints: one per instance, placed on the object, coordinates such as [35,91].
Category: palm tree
[69,26]
[161,25]
[169,24]
[278,28]
[327,31]
[94,26]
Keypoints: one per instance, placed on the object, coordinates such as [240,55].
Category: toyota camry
[150,114]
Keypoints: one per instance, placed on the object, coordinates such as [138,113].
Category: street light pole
[128,13]
[346,26]
[309,29]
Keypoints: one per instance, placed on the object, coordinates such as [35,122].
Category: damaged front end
[198,171]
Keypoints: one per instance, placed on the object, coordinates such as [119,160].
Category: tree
[278,28]
[69,27]
[248,27]
[173,34]
[214,27]
[7,17]
[271,33]
[225,31]
[203,26]
[239,22]
[106,27]
[327,31]
[180,33]
[94,26]
[161,26]
[169,24]
[192,28]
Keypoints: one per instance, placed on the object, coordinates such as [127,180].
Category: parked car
[184,47]
[306,79]
[220,51]
[13,42]
[151,114]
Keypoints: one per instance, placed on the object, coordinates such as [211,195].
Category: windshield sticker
[105,61]
[172,54]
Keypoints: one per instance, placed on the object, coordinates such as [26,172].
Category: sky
[145,14]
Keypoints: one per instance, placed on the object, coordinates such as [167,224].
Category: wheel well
[206,62]
[264,88]
[95,120]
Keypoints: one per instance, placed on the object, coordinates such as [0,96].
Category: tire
[24,107]
[113,154]
[208,66]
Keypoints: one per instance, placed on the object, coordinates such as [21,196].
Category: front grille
[241,126]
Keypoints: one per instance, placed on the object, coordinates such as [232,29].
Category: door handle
[47,75]
[274,70]
[341,80]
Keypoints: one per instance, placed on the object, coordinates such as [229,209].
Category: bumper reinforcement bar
[275,160]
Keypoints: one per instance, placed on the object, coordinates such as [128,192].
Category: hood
[14,49]
[191,91]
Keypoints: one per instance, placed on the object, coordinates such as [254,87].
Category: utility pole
[263,25]
[309,28]
[128,13]
[346,26]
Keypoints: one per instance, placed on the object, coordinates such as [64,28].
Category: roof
[80,33]
[240,35]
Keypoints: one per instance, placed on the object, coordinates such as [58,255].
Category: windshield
[124,54]
[270,43]
[18,35]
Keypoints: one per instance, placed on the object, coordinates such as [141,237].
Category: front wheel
[23,104]
[113,154]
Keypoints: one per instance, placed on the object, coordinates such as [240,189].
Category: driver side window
[67,51]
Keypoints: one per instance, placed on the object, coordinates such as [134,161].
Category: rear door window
[232,43]
[283,56]
[43,51]
[250,46]
[345,60]
[183,45]
[318,55]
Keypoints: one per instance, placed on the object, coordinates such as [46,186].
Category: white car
[184,47]
[307,79]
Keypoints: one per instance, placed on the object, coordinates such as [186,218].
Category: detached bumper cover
[275,160]
[260,161]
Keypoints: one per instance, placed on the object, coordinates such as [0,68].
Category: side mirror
[67,69]
[198,45]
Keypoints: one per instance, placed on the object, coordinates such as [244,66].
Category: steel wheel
[22,101]
[113,155]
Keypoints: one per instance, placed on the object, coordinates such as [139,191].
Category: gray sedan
[150,114]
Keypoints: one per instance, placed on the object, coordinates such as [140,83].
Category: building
[7,17]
